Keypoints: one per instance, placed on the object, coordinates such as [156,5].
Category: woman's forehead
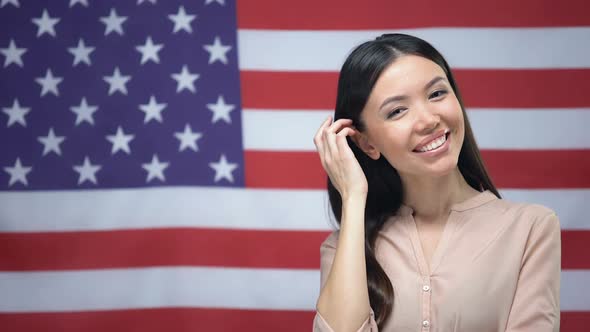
[408,72]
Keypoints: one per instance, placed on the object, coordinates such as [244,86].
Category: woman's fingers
[343,148]
[347,131]
[318,138]
[338,125]
[327,141]
[332,130]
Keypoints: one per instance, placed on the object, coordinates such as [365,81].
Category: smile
[435,145]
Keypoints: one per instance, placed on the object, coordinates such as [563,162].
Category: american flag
[157,170]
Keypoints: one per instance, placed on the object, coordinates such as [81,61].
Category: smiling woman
[419,216]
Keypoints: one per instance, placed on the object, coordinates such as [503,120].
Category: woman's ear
[362,141]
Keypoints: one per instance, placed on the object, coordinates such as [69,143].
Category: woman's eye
[395,112]
[438,93]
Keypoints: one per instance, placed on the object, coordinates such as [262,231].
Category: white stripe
[158,288]
[462,47]
[273,289]
[575,295]
[493,128]
[215,208]
[290,130]
[163,207]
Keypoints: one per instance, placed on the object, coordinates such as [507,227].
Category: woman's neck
[432,198]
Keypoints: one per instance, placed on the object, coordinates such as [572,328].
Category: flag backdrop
[157,165]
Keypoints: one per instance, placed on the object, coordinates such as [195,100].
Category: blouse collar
[470,203]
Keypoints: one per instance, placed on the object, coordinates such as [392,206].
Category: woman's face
[414,119]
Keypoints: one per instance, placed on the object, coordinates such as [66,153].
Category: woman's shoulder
[527,213]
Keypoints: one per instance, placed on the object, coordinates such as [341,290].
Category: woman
[425,242]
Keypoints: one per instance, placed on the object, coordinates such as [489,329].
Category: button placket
[426,300]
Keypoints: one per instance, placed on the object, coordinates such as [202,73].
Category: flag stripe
[573,254]
[574,320]
[531,88]
[193,319]
[203,287]
[176,207]
[277,289]
[508,169]
[384,14]
[161,319]
[179,247]
[161,247]
[489,48]
[522,129]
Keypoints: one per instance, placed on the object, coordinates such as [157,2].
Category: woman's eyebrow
[434,81]
[404,97]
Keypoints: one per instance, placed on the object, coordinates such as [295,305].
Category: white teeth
[435,144]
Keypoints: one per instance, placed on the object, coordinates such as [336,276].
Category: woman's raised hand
[338,159]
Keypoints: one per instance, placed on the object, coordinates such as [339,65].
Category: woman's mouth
[435,144]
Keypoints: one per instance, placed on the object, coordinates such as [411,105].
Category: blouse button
[425,323]
[426,288]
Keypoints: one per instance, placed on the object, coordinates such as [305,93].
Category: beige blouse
[496,268]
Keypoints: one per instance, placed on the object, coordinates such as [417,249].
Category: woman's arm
[536,302]
[344,298]
[343,303]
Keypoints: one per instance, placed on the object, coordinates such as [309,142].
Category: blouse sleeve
[536,302]
[327,252]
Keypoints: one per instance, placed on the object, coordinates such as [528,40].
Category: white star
[49,83]
[217,51]
[113,22]
[87,171]
[51,142]
[185,80]
[182,21]
[18,173]
[221,2]
[82,2]
[45,23]
[12,2]
[16,114]
[13,54]
[120,141]
[117,82]
[84,112]
[155,169]
[188,139]
[221,110]
[152,110]
[223,169]
[149,51]
[81,53]
[139,2]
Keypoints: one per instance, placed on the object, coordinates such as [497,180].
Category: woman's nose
[427,120]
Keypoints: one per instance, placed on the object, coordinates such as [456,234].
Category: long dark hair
[358,75]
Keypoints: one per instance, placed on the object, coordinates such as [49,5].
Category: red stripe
[387,14]
[542,88]
[159,247]
[187,247]
[539,169]
[290,170]
[532,169]
[574,248]
[156,320]
[194,319]
[574,321]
